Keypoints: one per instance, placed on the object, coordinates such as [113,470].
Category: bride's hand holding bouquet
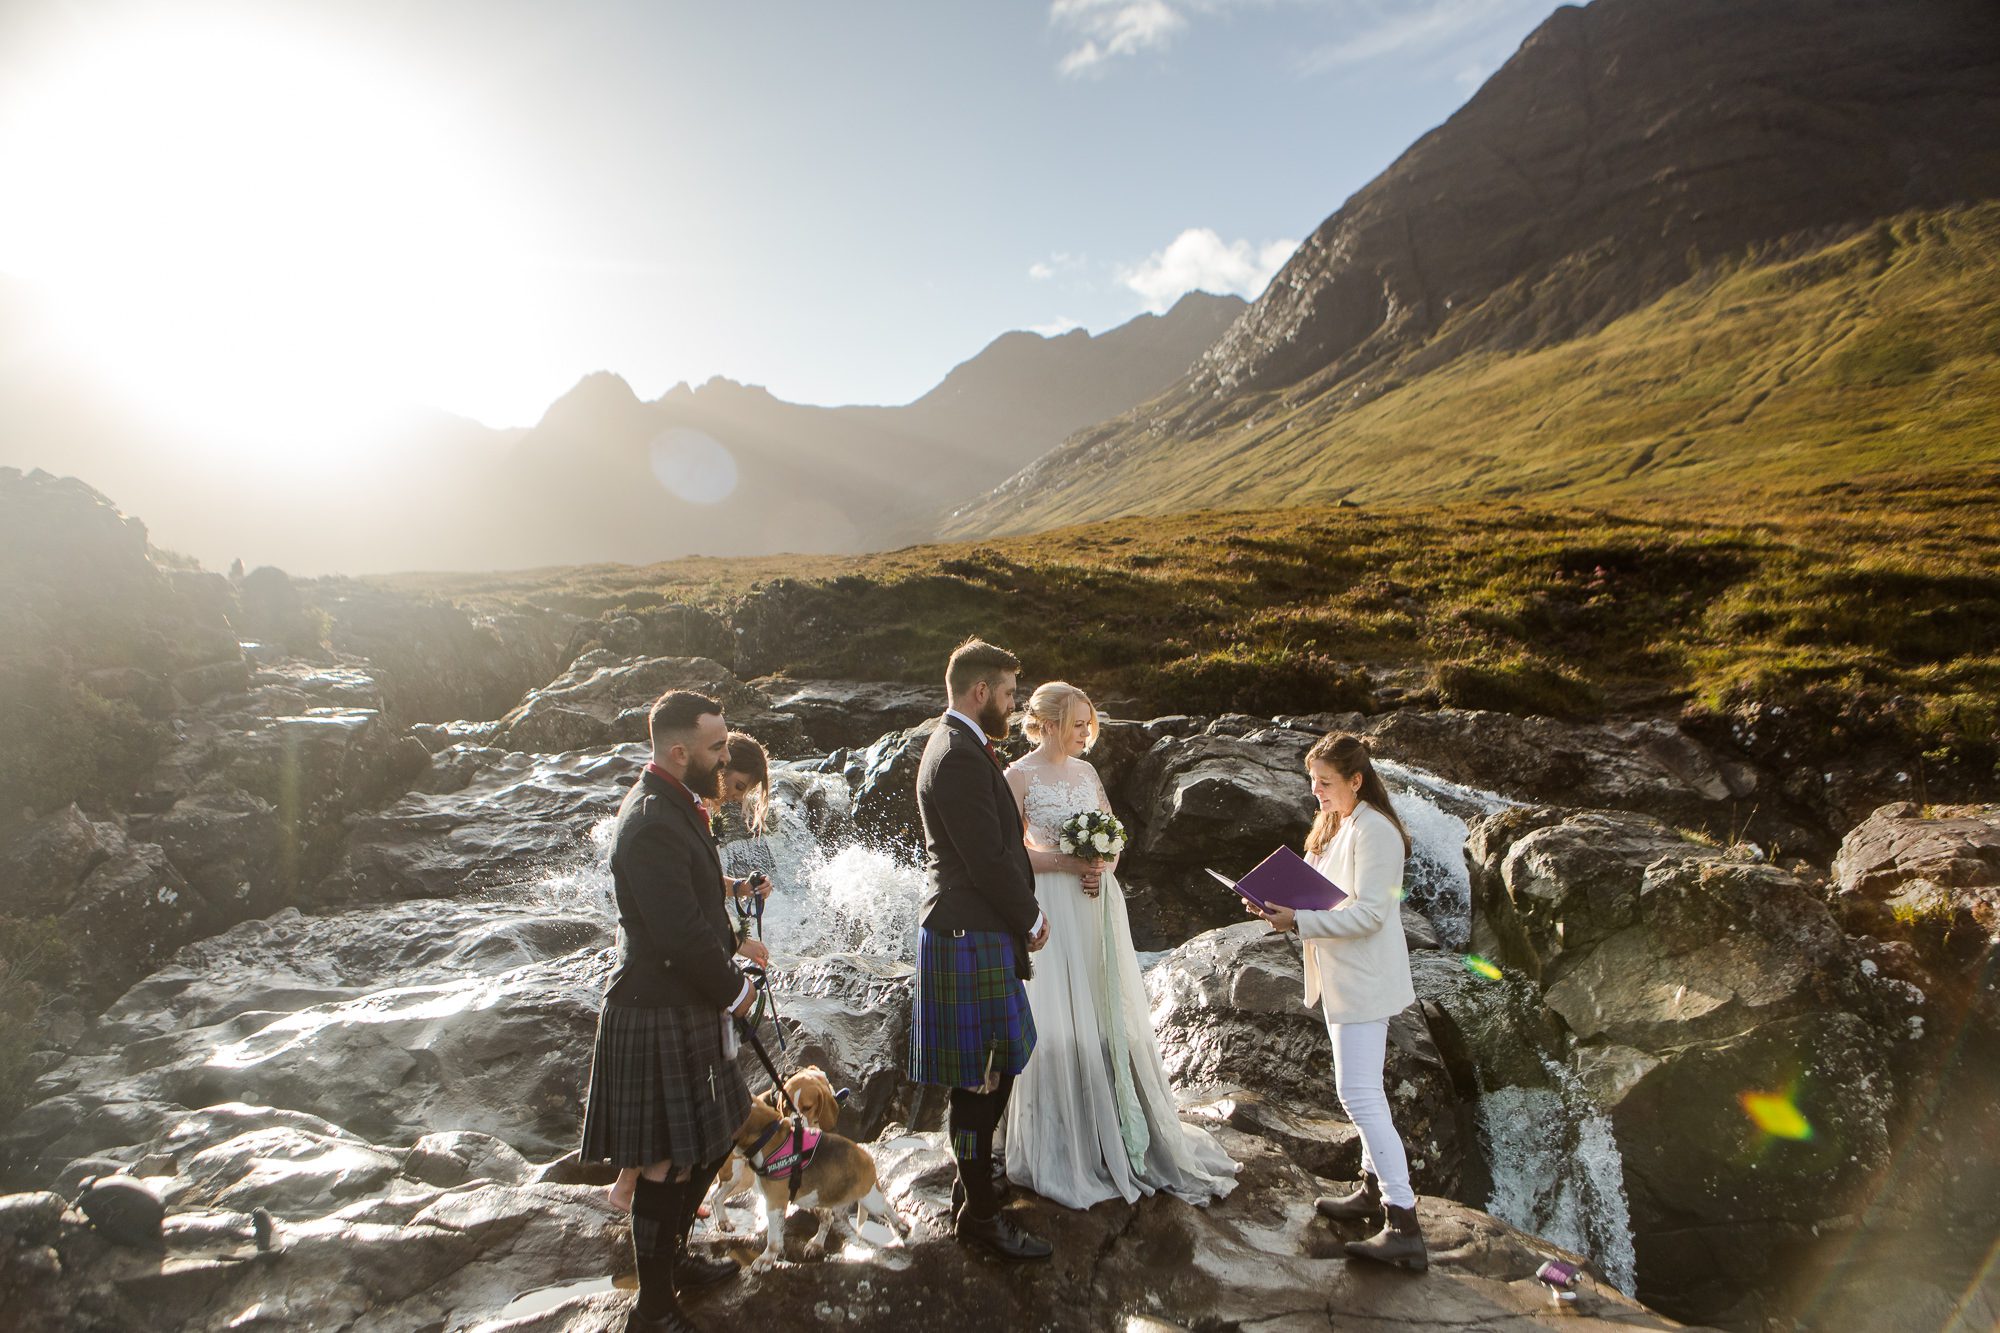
[1095,838]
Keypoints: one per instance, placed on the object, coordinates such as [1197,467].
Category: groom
[973,1030]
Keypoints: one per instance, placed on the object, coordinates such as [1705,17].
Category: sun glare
[254,234]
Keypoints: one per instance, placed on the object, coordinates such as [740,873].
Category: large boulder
[1685,978]
[1931,878]
[850,714]
[129,915]
[885,794]
[604,699]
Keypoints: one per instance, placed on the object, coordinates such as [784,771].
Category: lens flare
[1777,1114]
[1480,967]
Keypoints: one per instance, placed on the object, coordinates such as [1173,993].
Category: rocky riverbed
[329,942]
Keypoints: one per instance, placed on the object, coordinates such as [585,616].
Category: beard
[993,720]
[704,782]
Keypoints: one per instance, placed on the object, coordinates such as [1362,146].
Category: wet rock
[1223,798]
[843,714]
[885,799]
[438,1016]
[422,1260]
[129,914]
[1714,949]
[451,769]
[603,699]
[456,1156]
[1553,882]
[30,1219]
[436,736]
[1716,1201]
[1685,977]
[227,841]
[1256,1259]
[514,819]
[849,1014]
[124,1210]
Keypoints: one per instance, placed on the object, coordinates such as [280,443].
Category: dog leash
[747,918]
[748,1032]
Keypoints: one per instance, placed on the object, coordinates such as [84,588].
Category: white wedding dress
[1093,1116]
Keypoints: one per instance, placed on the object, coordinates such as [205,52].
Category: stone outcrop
[603,699]
[1684,979]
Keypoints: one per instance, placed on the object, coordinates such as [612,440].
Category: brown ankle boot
[1362,1205]
[1399,1242]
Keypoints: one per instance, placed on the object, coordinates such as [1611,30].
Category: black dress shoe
[693,1272]
[1000,1238]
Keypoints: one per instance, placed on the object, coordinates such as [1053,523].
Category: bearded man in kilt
[973,1031]
[665,1094]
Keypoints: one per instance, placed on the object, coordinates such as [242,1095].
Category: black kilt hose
[661,1088]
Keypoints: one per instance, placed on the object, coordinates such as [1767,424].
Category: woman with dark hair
[1357,968]
[742,809]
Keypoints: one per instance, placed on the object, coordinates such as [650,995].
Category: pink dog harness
[790,1155]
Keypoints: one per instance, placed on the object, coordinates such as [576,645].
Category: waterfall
[1557,1172]
[833,894]
[1435,812]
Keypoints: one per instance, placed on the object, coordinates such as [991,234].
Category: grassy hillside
[1876,354]
[1871,608]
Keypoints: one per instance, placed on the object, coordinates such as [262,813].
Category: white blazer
[1357,964]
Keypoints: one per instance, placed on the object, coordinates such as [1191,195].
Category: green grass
[1873,605]
[1770,372]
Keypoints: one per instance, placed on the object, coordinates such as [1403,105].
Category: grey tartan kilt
[660,1089]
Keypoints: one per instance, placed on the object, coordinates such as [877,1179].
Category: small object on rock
[124,1210]
[1558,1275]
[261,1227]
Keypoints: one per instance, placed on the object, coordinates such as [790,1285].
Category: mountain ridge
[1625,149]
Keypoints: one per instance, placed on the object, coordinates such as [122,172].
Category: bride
[1093,1116]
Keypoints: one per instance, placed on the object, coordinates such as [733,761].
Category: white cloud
[1200,260]
[1416,29]
[1112,28]
[1061,262]
[1056,327]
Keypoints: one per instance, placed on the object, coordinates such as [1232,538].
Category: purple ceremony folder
[1283,879]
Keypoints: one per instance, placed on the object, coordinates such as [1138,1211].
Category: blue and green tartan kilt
[969,1003]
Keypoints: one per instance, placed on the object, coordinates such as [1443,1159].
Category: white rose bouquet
[1093,835]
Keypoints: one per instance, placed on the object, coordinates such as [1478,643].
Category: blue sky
[471,203]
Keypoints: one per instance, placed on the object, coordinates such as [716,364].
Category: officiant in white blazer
[1357,969]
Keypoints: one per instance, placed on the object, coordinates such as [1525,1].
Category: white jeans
[1358,1052]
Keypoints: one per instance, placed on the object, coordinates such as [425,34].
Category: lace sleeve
[1103,796]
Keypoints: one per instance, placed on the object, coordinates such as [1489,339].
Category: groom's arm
[970,818]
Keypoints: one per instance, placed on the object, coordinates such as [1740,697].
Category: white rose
[1103,842]
[1068,847]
